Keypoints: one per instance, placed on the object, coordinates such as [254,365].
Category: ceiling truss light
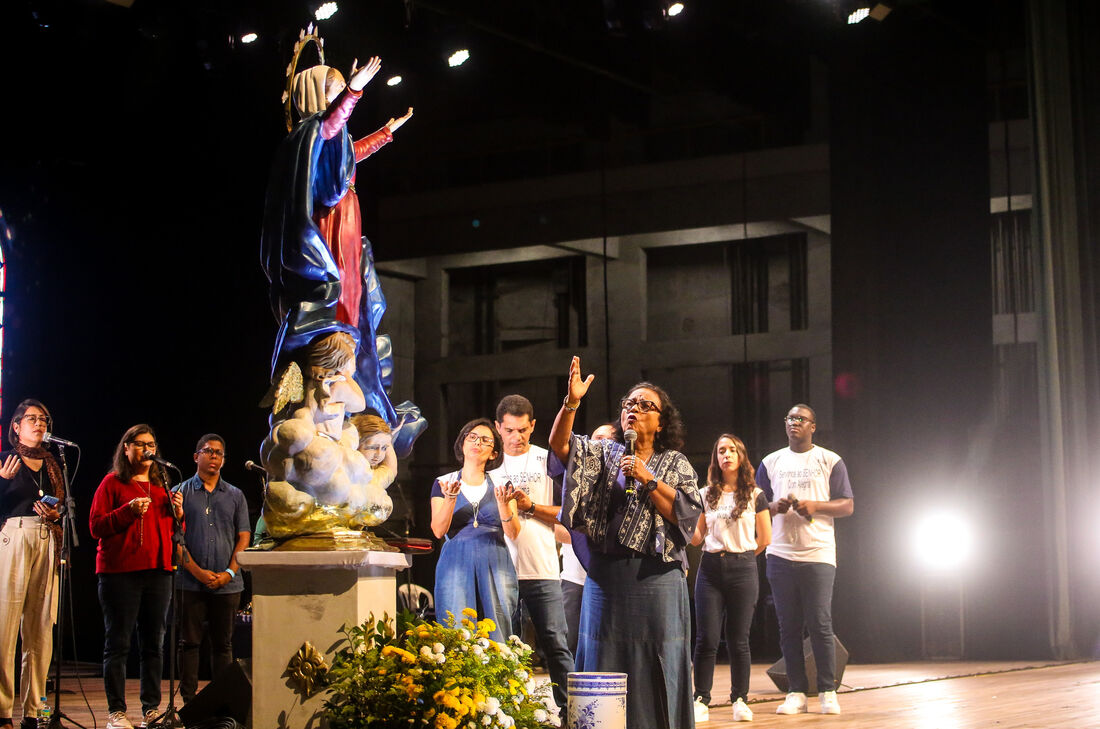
[458,58]
[393,81]
[326,11]
[675,9]
[858,15]
[249,38]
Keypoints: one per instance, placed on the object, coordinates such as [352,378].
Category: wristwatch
[528,513]
[650,486]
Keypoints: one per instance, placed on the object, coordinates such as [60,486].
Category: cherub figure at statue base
[320,494]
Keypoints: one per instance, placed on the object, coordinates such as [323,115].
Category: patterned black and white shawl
[590,477]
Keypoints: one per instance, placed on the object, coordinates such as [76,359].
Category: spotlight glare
[858,15]
[326,11]
[393,81]
[675,9]
[942,541]
[249,38]
[458,58]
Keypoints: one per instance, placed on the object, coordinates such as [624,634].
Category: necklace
[141,518]
[476,504]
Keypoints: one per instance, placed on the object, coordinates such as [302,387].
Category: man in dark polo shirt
[215,516]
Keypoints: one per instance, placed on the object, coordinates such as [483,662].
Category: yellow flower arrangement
[411,673]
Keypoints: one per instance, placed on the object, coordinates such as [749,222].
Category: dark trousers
[726,589]
[571,595]
[543,601]
[128,599]
[211,614]
[803,594]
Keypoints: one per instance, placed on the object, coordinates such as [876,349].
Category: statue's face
[329,395]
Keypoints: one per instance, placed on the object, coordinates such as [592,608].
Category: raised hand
[450,489]
[577,387]
[394,124]
[360,77]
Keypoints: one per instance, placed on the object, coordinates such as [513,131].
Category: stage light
[942,541]
[393,81]
[249,38]
[675,9]
[857,15]
[458,58]
[326,11]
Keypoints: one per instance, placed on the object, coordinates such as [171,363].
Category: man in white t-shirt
[534,552]
[807,488]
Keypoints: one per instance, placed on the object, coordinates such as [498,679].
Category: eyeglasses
[796,420]
[210,452]
[35,419]
[644,406]
[145,444]
[475,439]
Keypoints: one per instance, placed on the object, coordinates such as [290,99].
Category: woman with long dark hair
[29,543]
[735,527]
[132,517]
[472,515]
[631,517]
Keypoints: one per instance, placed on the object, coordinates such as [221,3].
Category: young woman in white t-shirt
[735,527]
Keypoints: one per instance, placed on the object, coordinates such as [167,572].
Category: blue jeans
[134,598]
[726,589]
[803,594]
[543,599]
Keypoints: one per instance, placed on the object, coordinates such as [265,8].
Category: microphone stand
[170,718]
[69,539]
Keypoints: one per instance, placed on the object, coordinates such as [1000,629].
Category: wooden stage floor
[924,695]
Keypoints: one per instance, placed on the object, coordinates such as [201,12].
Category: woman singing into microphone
[131,516]
[29,540]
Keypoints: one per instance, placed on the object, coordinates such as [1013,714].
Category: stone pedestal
[308,596]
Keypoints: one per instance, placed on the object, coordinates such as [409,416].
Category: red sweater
[126,543]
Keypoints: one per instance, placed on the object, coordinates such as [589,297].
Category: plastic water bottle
[44,714]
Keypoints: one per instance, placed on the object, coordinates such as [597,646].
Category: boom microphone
[51,438]
[150,456]
[253,466]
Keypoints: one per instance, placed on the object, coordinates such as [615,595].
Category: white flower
[555,720]
[440,658]
[505,721]
[478,650]
[530,685]
[487,719]
[492,705]
[541,716]
[506,652]
[426,652]
[520,674]
[483,642]
[465,634]
[437,647]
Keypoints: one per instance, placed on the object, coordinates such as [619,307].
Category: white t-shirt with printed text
[534,552]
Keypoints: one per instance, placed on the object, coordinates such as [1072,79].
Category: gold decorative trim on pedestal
[334,540]
[308,670]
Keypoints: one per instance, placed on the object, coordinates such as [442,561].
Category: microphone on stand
[253,466]
[630,436]
[51,438]
[150,456]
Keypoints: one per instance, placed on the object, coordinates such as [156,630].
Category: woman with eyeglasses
[472,515]
[631,516]
[735,527]
[132,517]
[29,543]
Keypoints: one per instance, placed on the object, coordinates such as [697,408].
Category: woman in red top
[132,517]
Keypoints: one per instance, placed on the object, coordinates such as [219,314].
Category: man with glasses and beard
[217,529]
[807,488]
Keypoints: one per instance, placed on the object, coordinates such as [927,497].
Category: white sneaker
[741,711]
[795,703]
[829,704]
[702,712]
[118,720]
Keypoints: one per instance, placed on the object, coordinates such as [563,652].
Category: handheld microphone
[630,436]
[253,466]
[150,456]
[51,438]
